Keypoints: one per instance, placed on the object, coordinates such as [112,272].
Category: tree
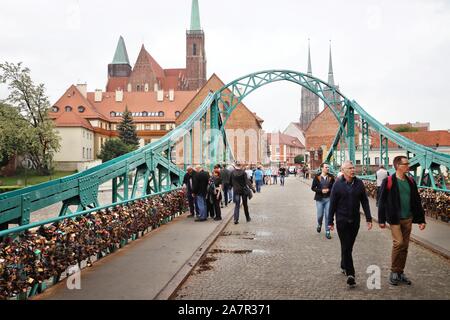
[405,128]
[41,140]
[114,148]
[299,159]
[14,133]
[127,130]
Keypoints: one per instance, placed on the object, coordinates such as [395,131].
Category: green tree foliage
[127,130]
[114,148]
[299,159]
[39,139]
[405,128]
[14,133]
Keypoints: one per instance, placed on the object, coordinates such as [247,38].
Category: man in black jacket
[240,182]
[346,196]
[188,184]
[225,176]
[200,189]
[322,185]
[400,206]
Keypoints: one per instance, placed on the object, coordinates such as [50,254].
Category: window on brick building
[161,114]
[81,109]
[55,109]
[68,108]
[194,49]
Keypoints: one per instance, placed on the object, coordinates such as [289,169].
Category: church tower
[309,102]
[195,51]
[119,69]
[328,94]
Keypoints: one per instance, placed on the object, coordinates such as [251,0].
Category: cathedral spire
[195,17]
[309,59]
[330,70]
[121,54]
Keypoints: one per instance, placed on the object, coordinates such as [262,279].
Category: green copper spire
[121,55]
[309,59]
[195,17]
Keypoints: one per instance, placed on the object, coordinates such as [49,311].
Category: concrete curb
[169,290]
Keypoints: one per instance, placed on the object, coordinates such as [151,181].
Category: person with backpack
[322,185]
[400,206]
[381,174]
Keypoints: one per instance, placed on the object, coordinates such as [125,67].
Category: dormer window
[161,114]
[81,109]
[55,109]
[112,114]
[177,114]
[144,113]
[68,109]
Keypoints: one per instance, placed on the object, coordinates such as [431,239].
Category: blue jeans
[282,180]
[258,185]
[323,207]
[201,203]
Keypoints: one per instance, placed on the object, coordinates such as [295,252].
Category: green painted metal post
[169,160]
[384,153]
[191,147]
[125,185]
[351,133]
[365,145]
[214,127]
[184,153]
[114,190]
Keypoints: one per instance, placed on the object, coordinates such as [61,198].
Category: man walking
[240,181]
[188,183]
[346,196]
[381,174]
[200,190]
[282,173]
[400,206]
[225,176]
[322,185]
[258,174]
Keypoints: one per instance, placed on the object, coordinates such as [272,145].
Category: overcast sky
[392,57]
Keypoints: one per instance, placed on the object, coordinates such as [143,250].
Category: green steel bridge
[156,171]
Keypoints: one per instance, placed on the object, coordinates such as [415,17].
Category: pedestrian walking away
[200,190]
[282,173]
[240,183]
[188,182]
[347,195]
[400,206]
[322,185]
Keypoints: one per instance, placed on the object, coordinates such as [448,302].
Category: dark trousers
[192,205]
[237,201]
[378,194]
[282,180]
[226,190]
[347,235]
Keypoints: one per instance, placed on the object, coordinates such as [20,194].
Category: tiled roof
[72,119]
[426,138]
[75,99]
[284,139]
[142,101]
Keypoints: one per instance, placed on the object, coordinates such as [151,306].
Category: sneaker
[319,228]
[217,219]
[404,279]
[328,234]
[199,220]
[351,281]
[236,222]
[394,279]
[249,219]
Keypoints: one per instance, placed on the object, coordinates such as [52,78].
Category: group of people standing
[207,194]
[398,204]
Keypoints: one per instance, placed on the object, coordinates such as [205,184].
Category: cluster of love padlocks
[33,257]
[435,203]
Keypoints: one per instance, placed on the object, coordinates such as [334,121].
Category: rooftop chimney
[82,87]
[119,95]
[98,95]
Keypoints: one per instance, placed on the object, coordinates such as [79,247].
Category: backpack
[389,182]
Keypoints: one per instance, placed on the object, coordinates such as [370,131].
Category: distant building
[284,148]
